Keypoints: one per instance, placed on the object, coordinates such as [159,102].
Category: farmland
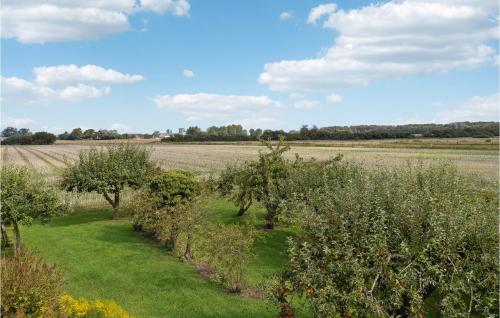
[102,258]
[477,157]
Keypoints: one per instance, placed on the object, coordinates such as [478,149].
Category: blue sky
[140,66]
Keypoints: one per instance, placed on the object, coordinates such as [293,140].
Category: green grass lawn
[105,259]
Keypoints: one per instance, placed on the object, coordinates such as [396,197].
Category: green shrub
[29,286]
[174,192]
[227,249]
[170,208]
[384,243]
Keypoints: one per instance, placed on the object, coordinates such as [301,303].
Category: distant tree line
[360,132]
[23,136]
[102,134]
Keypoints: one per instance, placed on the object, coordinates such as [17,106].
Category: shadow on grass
[84,216]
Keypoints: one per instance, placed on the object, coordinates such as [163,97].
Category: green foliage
[227,249]
[175,187]
[383,243]
[38,138]
[240,184]
[10,131]
[25,197]
[257,180]
[29,286]
[272,168]
[169,207]
[109,170]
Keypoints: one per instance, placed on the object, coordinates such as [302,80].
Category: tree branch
[106,196]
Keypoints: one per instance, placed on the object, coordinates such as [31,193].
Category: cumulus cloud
[392,40]
[196,107]
[31,21]
[188,73]
[286,15]
[334,98]
[16,122]
[317,12]
[65,74]
[478,108]
[63,83]
[176,7]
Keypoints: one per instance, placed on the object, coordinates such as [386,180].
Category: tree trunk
[116,206]
[270,218]
[241,210]
[189,242]
[244,208]
[5,237]
[137,227]
[17,235]
[172,242]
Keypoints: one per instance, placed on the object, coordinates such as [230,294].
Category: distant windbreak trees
[359,132]
[23,136]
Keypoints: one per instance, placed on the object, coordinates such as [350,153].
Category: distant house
[182,131]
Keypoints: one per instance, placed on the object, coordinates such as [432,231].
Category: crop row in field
[213,158]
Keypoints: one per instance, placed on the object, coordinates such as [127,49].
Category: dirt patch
[253,292]
[205,270]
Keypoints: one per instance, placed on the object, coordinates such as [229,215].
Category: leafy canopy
[26,197]
[109,169]
[383,243]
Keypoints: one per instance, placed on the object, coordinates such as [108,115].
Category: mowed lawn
[103,258]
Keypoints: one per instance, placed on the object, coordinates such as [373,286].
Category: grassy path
[102,258]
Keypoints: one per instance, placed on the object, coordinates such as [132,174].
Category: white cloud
[287,15]
[30,21]
[177,7]
[63,83]
[66,74]
[317,12]
[196,107]
[478,108]
[121,128]
[188,73]
[16,122]
[392,40]
[334,98]
[306,104]
[81,91]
